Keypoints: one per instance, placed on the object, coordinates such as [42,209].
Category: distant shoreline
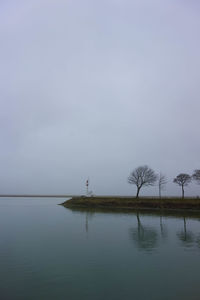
[37,196]
[134,203]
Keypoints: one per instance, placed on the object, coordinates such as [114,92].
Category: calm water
[50,252]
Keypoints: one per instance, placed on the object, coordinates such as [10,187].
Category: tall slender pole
[87,184]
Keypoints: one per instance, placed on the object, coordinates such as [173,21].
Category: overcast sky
[97,88]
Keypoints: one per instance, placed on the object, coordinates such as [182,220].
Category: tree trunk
[159,191]
[182,191]
[138,191]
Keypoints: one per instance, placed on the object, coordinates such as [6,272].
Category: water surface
[51,252]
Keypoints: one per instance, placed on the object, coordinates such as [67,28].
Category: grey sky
[97,88]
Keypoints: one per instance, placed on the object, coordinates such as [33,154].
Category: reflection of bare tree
[163,229]
[185,236]
[146,238]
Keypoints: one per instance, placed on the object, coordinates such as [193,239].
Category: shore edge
[134,203]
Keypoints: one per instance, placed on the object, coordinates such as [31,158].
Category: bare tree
[182,180]
[162,181]
[196,176]
[142,176]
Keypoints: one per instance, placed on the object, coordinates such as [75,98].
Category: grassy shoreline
[134,203]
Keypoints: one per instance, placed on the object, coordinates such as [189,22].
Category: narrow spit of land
[134,203]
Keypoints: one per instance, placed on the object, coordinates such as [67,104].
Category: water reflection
[148,237]
[186,237]
[88,216]
[198,241]
[145,238]
[50,252]
[163,228]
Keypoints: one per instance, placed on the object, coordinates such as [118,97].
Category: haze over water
[50,252]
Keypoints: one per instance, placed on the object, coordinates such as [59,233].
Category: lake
[50,252]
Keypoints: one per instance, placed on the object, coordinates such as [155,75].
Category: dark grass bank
[134,203]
